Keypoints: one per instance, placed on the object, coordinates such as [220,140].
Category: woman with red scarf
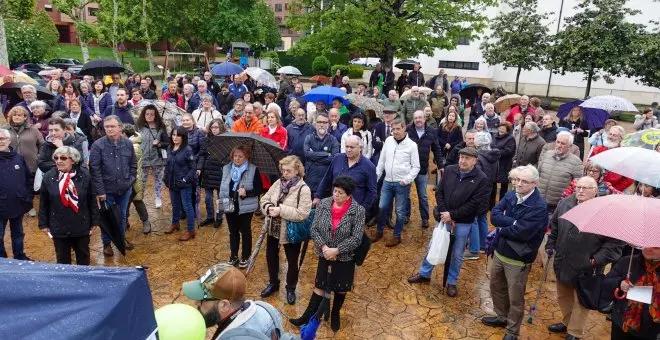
[335,247]
[633,319]
[68,211]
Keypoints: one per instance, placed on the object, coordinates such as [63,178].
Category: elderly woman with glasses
[596,172]
[68,211]
[206,113]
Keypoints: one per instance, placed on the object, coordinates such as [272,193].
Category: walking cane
[532,308]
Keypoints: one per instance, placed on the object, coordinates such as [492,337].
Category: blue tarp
[54,301]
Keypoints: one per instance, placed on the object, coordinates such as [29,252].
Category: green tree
[596,41]
[519,37]
[19,9]
[48,33]
[86,32]
[644,64]
[249,21]
[405,28]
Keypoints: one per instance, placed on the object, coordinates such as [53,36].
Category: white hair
[532,126]
[28,86]
[345,78]
[68,151]
[189,87]
[530,170]
[482,140]
[201,82]
[414,88]
[568,136]
[489,104]
[5,132]
[618,128]
[38,103]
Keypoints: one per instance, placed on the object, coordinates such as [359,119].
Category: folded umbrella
[640,164]
[647,139]
[326,94]
[266,153]
[226,69]
[111,224]
[101,67]
[406,64]
[257,246]
[505,102]
[595,117]
[610,104]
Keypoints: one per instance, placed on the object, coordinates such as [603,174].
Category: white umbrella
[609,104]
[640,164]
[261,75]
[422,89]
[289,70]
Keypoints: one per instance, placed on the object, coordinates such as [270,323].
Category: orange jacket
[241,126]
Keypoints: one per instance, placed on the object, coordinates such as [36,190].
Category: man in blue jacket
[319,148]
[113,165]
[296,134]
[121,108]
[521,218]
[15,196]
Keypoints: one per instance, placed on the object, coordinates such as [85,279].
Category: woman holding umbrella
[359,128]
[288,199]
[337,231]
[633,319]
[577,125]
[68,210]
[239,191]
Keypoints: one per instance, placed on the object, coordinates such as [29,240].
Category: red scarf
[338,213]
[68,192]
[633,315]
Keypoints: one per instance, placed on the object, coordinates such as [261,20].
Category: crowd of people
[346,167]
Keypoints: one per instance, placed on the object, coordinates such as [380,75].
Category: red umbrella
[321,79]
[4,71]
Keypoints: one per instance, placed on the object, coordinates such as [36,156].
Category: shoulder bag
[299,231]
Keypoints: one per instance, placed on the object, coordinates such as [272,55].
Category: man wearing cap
[462,190]
[220,298]
[382,130]
[393,101]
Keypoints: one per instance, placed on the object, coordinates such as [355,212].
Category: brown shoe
[393,242]
[129,245]
[187,236]
[173,228]
[107,250]
[376,236]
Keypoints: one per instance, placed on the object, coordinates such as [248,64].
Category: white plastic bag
[439,246]
[38,178]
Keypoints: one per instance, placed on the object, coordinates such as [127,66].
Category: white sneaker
[32,213]
[159,203]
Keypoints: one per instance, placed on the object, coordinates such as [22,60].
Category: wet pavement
[382,304]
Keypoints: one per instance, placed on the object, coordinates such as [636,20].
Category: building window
[463,41]
[278,7]
[48,7]
[92,11]
[459,65]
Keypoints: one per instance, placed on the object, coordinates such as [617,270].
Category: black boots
[337,302]
[313,305]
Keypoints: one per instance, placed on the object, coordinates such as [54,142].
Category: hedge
[321,66]
[304,62]
[355,71]
[343,68]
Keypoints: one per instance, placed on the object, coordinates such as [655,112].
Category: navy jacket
[104,103]
[453,137]
[196,138]
[428,143]
[296,139]
[123,112]
[58,103]
[378,131]
[319,153]
[113,166]
[462,198]
[196,101]
[507,146]
[524,224]
[180,168]
[339,131]
[363,172]
[15,186]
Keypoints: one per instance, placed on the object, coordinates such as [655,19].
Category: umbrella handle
[619,294]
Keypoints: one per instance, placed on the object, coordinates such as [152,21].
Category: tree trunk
[147,38]
[589,78]
[115,14]
[4,56]
[389,55]
[78,14]
[517,78]
[85,50]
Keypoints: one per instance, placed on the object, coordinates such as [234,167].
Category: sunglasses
[60,158]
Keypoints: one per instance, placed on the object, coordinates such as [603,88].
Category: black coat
[226,102]
[428,143]
[462,198]
[373,79]
[61,220]
[488,162]
[211,168]
[401,83]
[549,134]
[85,125]
[507,146]
[454,138]
[15,186]
[389,83]
[45,160]
[648,329]
[579,137]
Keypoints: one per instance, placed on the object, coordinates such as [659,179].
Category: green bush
[321,65]
[343,68]
[355,71]
[28,41]
[304,62]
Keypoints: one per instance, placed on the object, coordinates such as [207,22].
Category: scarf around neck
[68,192]
[237,172]
[633,314]
[285,186]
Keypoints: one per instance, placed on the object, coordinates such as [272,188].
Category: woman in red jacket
[274,130]
[173,95]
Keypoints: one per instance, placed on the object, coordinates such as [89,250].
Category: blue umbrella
[595,117]
[326,94]
[226,69]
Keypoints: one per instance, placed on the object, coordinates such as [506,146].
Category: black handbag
[589,290]
[360,253]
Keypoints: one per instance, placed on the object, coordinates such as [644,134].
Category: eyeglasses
[4,139]
[60,158]
[593,171]
[579,188]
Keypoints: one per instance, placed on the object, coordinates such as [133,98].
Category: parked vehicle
[369,62]
[36,77]
[32,67]
[64,63]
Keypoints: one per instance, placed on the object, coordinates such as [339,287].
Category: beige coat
[290,209]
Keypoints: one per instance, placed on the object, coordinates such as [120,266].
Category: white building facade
[466,61]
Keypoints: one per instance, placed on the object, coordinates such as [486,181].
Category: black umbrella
[266,153]
[470,91]
[406,64]
[111,225]
[13,89]
[101,67]
[450,250]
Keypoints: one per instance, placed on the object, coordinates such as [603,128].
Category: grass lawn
[140,65]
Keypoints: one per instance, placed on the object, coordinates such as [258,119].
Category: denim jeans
[16,228]
[393,191]
[423,198]
[122,201]
[478,233]
[209,201]
[182,200]
[461,232]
